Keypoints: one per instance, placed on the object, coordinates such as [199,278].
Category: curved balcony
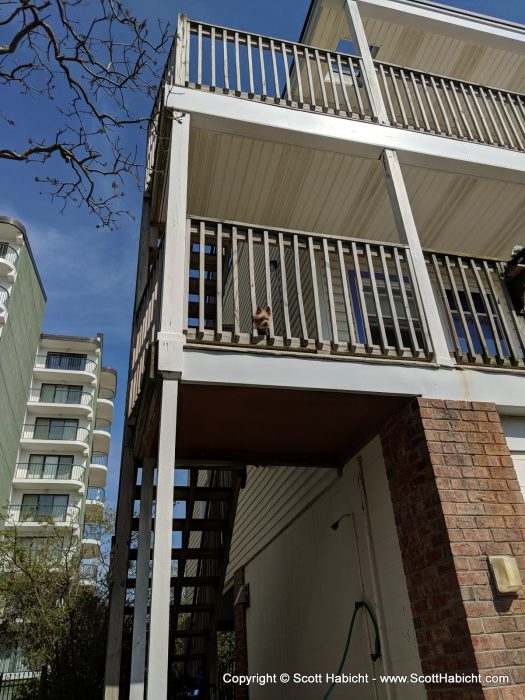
[34,476]
[45,437]
[95,500]
[102,435]
[98,469]
[58,401]
[91,537]
[64,368]
[8,260]
[105,403]
[4,298]
[31,516]
[88,574]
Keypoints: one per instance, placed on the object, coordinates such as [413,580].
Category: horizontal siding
[272,499]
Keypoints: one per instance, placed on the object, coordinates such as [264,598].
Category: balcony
[65,368]
[58,400]
[8,261]
[46,437]
[88,574]
[91,539]
[105,403]
[4,299]
[258,68]
[102,435]
[33,516]
[95,500]
[35,475]
[338,296]
[98,469]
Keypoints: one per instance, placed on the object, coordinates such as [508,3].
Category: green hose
[375,656]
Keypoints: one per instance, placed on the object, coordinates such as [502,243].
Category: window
[403,314]
[50,467]
[56,428]
[484,322]
[61,393]
[37,505]
[65,360]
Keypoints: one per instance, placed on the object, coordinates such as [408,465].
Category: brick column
[241,643]
[456,500]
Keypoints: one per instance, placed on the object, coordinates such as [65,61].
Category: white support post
[408,234]
[180,69]
[362,48]
[171,336]
[157,684]
[140,611]
[119,572]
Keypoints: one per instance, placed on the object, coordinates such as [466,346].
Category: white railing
[41,470]
[52,432]
[43,513]
[60,394]
[69,363]
[8,253]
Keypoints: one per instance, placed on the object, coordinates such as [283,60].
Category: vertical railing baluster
[471,112]
[251,269]
[199,55]
[343,85]
[284,292]
[218,289]
[235,273]
[310,78]
[461,111]
[362,112]
[390,105]
[383,341]
[500,270]
[213,66]
[459,307]
[226,87]
[458,350]
[510,142]
[418,98]
[442,109]
[250,65]
[409,98]
[300,301]
[331,302]
[514,357]
[472,93]
[332,82]
[406,304]
[263,70]
[369,345]
[430,103]
[472,308]
[238,85]
[352,341]
[277,96]
[505,97]
[446,92]
[398,97]
[300,102]
[491,117]
[391,303]
[321,79]
[268,283]
[315,291]
[519,122]
[488,310]
[202,291]
[284,52]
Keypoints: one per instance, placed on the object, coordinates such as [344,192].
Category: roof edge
[20,226]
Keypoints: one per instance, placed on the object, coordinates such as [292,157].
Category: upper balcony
[56,399]
[48,437]
[65,367]
[98,469]
[8,261]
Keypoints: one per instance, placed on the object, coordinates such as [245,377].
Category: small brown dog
[262,318]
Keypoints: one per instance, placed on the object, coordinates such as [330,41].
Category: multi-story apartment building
[326,390]
[61,468]
[22,303]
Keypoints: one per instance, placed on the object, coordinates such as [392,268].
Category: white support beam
[408,234]
[171,337]
[119,572]
[361,46]
[157,683]
[140,610]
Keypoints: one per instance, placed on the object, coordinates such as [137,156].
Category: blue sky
[89,273]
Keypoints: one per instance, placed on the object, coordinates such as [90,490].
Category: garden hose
[375,656]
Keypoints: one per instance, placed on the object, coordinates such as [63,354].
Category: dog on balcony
[262,319]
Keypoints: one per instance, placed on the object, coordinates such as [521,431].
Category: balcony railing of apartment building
[103,424]
[42,470]
[89,573]
[54,432]
[4,296]
[8,253]
[100,458]
[43,513]
[65,362]
[96,494]
[265,69]
[107,394]
[58,394]
[92,531]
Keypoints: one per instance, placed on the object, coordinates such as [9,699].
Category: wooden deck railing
[450,107]
[330,294]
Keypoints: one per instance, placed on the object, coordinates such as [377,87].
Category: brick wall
[241,644]
[456,500]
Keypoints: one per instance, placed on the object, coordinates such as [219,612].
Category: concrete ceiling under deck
[268,183]
[261,426]
[407,42]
